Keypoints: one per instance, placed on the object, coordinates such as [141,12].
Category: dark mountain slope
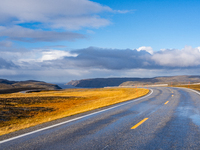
[100,82]
[103,82]
[7,86]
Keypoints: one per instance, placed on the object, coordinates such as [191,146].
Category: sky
[58,41]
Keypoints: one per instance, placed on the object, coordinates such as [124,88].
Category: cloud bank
[116,59]
[187,57]
[98,62]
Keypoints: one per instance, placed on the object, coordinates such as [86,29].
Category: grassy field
[19,111]
[195,87]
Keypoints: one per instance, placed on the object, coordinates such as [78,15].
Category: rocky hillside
[174,80]
[7,86]
[103,82]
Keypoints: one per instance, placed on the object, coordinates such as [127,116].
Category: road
[168,118]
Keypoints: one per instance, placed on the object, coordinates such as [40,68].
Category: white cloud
[148,49]
[37,56]
[68,14]
[90,32]
[187,57]
[40,20]
[78,22]
[123,11]
[56,54]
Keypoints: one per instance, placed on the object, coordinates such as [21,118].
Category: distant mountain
[174,80]
[7,86]
[4,81]
[103,82]
[100,82]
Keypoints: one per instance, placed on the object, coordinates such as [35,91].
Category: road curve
[169,118]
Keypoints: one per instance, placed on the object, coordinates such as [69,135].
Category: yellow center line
[139,123]
[166,102]
[172,95]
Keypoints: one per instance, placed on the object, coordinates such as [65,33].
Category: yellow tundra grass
[19,111]
[195,87]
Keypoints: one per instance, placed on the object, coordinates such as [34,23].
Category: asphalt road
[169,118]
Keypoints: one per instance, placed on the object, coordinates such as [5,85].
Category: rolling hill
[104,82]
[7,86]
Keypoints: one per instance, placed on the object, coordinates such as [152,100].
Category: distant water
[64,86]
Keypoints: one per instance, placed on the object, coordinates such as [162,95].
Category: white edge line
[190,90]
[58,124]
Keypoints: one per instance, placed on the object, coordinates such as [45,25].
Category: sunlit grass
[195,87]
[20,110]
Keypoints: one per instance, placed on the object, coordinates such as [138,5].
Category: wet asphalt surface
[173,123]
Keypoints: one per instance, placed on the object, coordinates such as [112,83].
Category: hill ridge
[127,81]
[7,86]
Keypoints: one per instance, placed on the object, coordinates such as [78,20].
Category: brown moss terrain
[19,111]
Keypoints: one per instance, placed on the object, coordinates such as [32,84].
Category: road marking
[172,95]
[166,102]
[191,90]
[171,91]
[139,123]
[105,147]
[65,122]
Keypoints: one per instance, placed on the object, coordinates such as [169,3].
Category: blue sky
[63,40]
[149,23]
[159,24]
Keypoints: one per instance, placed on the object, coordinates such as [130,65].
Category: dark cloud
[113,59]
[116,59]
[5,44]
[6,64]
[29,35]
